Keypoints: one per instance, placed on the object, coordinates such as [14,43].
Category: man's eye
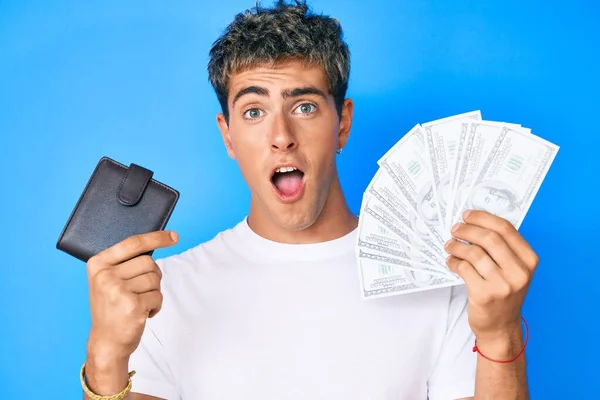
[252,113]
[306,108]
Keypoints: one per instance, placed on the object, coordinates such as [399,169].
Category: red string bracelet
[475,349]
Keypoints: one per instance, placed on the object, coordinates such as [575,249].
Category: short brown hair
[266,36]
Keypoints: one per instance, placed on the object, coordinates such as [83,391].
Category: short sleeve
[453,376]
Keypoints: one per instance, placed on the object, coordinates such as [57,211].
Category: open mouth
[288,182]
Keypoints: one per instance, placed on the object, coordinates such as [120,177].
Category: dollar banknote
[408,165]
[510,175]
[381,279]
[474,148]
[382,237]
[442,138]
[383,188]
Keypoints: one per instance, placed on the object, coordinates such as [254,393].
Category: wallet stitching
[167,215]
[153,180]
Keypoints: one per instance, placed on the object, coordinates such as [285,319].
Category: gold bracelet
[94,396]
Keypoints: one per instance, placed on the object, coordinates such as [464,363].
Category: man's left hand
[497,268]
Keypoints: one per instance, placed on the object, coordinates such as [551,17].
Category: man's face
[284,132]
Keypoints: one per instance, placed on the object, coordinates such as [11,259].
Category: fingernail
[466,214]
[174,236]
[455,226]
[447,244]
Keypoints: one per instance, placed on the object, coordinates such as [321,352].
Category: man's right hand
[124,290]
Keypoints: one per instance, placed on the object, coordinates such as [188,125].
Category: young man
[270,309]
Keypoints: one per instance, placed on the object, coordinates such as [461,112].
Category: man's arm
[502,380]
[497,265]
[125,293]
[106,376]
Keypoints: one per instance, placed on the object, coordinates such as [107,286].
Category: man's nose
[282,135]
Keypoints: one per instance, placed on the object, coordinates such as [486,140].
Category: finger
[504,228]
[513,269]
[488,240]
[135,245]
[151,302]
[466,271]
[144,283]
[137,266]
[475,256]
[479,290]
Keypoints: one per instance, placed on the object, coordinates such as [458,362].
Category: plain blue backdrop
[81,80]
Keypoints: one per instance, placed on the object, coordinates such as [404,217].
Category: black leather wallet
[117,202]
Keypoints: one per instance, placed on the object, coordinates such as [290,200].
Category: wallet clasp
[133,185]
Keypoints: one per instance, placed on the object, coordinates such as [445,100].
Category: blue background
[80,80]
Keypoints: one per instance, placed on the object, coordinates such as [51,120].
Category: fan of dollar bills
[423,185]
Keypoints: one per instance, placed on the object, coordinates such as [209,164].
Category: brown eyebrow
[250,89]
[261,91]
[303,91]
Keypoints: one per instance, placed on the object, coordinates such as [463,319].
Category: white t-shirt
[248,318]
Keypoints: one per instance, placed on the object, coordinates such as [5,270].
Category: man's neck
[334,221]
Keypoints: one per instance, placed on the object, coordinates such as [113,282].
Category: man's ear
[345,122]
[224,128]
